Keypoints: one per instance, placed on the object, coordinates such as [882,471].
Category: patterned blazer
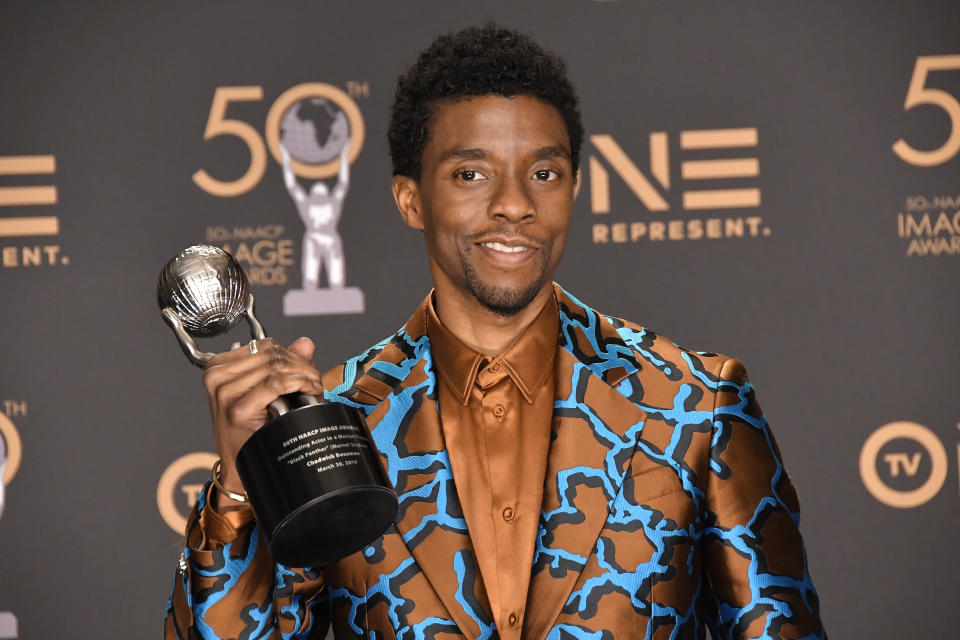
[666,510]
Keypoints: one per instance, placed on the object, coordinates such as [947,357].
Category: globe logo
[314,130]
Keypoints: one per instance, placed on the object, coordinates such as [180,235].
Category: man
[561,474]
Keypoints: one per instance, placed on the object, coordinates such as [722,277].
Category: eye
[545,174]
[469,175]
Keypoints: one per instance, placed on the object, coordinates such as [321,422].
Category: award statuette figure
[310,473]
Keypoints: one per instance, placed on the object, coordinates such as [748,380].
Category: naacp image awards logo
[316,131]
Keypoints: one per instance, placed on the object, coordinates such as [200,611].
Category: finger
[226,394]
[252,404]
[230,381]
[219,374]
[265,345]
[303,347]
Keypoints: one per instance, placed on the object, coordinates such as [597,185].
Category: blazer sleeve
[228,586]
[754,554]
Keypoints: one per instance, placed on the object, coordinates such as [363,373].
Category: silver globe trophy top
[203,292]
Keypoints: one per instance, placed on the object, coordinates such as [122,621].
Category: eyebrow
[555,151]
[464,154]
[552,151]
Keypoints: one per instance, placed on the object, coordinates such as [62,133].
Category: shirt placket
[499,409]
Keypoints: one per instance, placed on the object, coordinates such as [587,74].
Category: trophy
[311,473]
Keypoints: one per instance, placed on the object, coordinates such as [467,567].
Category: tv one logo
[180,485]
[904,464]
[718,171]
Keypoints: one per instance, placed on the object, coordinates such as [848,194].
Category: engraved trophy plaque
[311,473]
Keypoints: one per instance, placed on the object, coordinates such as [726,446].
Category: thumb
[303,347]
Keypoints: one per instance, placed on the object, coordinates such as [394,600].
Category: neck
[479,328]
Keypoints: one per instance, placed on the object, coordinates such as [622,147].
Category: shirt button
[508,514]
[499,411]
[513,619]
[495,367]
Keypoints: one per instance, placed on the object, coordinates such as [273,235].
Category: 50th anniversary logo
[315,131]
[930,223]
[11,447]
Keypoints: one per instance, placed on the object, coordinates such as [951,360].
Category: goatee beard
[503,301]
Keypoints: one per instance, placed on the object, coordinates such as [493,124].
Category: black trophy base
[316,485]
[333,526]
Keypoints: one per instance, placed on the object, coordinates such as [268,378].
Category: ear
[406,193]
[578,181]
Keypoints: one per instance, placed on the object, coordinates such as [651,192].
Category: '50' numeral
[917,94]
[218,124]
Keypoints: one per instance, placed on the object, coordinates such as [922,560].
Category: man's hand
[240,386]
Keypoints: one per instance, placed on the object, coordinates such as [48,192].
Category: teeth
[496,246]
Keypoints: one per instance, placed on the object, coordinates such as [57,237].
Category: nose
[512,202]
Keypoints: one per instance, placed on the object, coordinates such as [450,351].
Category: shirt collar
[527,361]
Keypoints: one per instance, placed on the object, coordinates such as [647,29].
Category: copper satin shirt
[496,414]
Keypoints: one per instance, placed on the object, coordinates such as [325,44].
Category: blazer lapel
[405,425]
[594,434]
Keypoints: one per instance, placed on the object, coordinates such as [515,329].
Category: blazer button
[508,514]
[513,619]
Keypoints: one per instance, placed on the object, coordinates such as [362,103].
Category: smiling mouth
[508,252]
[505,248]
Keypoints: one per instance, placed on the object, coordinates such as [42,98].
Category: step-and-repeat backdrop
[774,181]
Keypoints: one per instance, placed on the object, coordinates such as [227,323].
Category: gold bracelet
[215,475]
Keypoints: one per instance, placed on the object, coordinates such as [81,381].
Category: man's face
[494,198]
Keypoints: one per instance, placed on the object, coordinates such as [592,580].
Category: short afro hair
[478,61]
